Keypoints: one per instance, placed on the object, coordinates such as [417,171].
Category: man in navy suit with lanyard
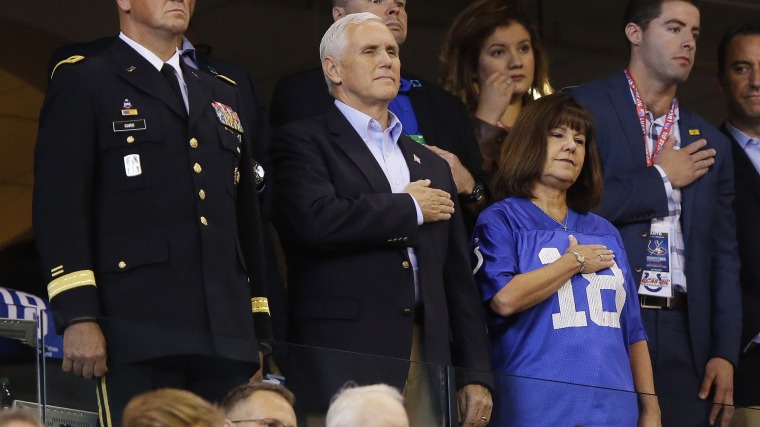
[673,209]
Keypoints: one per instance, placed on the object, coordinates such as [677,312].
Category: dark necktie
[171,77]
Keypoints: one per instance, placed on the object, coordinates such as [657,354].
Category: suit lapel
[137,71]
[198,93]
[688,193]
[620,96]
[349,142]
[413,161]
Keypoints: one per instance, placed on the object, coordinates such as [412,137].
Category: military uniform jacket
[147,215]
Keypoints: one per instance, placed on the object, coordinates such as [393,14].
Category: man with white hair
[378,405]
[429,114]
[377,259]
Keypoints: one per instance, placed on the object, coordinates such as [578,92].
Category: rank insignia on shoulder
[694,132]
[227,116]
[70,60]
[225,79]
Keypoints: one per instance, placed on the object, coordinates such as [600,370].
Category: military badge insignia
[132,165]
[236,178]
[227,116]
[127,110]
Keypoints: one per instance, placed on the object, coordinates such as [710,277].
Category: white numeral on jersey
[568,316]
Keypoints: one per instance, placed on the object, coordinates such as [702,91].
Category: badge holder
[656,277]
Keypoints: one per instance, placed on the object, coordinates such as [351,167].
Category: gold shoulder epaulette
[70,60]
[226,79]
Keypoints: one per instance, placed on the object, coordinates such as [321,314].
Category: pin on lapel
[131,68]
[416,159]
[694,132]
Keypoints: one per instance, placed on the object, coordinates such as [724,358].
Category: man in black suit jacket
[439,117]
[739,80]
[146,217]
[375,245]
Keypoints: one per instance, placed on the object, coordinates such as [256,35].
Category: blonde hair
[170,407]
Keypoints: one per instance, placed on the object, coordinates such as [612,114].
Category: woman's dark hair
[523,154]
[461,49]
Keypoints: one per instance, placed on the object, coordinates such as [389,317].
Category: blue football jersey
[564,361]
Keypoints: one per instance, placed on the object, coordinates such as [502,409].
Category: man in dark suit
[428,113]
[739,80]
[146,217]
[656,194]
[376,249]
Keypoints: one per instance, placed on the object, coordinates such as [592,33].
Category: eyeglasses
[265,422]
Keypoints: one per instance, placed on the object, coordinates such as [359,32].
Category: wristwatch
[581,259]
[477,193]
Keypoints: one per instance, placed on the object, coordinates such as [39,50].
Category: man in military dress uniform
[146,217]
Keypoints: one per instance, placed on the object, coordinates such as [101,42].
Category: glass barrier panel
[316,374]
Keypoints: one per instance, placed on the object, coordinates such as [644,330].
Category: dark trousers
[208,377]
[747,378]
[676,379]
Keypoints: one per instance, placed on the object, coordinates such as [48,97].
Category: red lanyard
[641,112]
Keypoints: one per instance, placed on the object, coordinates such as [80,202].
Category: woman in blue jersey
[568,345]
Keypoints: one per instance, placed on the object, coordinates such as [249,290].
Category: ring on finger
[601,257]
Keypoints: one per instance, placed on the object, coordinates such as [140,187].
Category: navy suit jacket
[345,235]
[634,194]
[747,209]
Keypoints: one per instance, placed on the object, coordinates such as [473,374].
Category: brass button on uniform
[645,234]
[197,168]
[406,265]
[638,269]
[202,194]
[122,264]
[405,239]
[238,150]
[204,221]
[130,139]
[408,311]
[193,143]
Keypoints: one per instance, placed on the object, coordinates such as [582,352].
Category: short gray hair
[347,404]
[335,39]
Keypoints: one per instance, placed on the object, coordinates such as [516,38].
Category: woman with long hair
[493,61]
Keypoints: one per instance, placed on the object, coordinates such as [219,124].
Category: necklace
[567,215]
